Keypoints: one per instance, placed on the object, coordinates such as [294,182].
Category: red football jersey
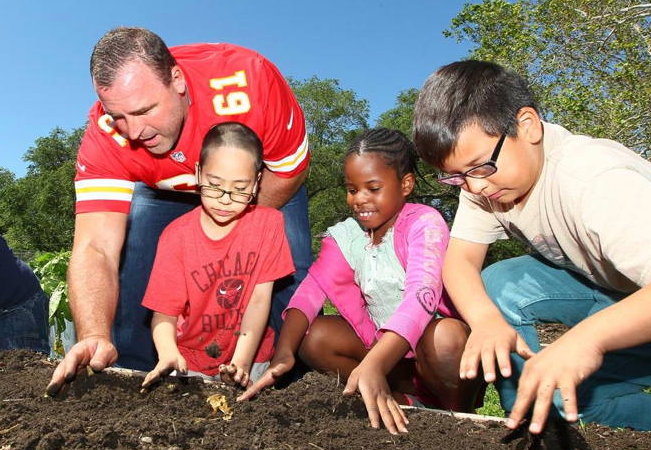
[208,283]
[225,83]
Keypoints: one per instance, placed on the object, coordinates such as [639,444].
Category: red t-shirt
[225,83]
[208,283]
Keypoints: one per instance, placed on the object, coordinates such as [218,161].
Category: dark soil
[549,332]
[108,410]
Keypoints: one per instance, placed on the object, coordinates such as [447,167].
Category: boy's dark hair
[461,94]
[396,148]
[123,45]
[232,134]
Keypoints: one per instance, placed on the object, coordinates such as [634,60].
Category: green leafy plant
[51,269]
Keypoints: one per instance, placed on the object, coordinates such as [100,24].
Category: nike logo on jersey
[81,167]
[291,120]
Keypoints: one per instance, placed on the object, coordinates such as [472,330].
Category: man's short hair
[465,93]
[123,45]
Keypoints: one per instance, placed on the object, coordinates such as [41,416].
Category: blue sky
[376,48]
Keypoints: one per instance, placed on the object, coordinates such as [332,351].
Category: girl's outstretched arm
[370,379]
[291,335]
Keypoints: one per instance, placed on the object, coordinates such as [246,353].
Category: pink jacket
[420,240]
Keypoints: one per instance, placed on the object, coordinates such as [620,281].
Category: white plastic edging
[459,415]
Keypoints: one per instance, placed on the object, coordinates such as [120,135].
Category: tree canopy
[588,61]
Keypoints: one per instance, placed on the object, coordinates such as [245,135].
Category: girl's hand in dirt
[280,365]
[490,342]
[165,365]
[379,402]
[234,374]
[563,365]
[94,351]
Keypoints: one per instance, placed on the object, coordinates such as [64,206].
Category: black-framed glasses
[481,171]
[215,192]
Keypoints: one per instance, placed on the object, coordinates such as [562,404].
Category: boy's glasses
[215,192]
[481,171]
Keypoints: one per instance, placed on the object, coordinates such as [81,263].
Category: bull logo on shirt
[229,293]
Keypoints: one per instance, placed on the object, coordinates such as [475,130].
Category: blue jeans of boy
[151,211]
[25,324]
[529,290]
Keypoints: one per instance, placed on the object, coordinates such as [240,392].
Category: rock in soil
[107,410]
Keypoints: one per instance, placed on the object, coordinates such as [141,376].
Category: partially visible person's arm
[275,191]
[94,286]
[491,337]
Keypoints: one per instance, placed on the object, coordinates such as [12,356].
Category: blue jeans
[529,290]
[151,211]
[24,325]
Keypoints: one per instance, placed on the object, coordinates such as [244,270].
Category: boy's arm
[491,337]
[163,330]
[577,354]
[254,323]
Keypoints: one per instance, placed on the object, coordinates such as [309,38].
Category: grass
[491,403]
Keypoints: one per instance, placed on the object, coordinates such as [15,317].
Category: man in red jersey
[136,173]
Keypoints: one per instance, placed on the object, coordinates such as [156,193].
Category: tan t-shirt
[590,211]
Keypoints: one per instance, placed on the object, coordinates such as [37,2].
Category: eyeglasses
[215,192]
[481,171]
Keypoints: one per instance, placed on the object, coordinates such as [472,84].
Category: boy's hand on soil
[379,402]
[234,374]
[95,351]
[165,365]
[563,365]
[488,343]
[279,366]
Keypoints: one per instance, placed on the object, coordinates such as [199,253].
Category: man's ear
[408,182]
[178,80]
[529,125]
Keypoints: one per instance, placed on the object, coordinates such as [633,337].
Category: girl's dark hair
[232,134]
[392,145]
[464,93]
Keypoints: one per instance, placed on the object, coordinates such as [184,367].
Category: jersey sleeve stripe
[104,189]
[290,162]
[104,196]
[104,182]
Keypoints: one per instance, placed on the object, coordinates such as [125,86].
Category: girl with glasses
[210,288]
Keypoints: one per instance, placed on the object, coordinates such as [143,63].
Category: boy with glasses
[584,206]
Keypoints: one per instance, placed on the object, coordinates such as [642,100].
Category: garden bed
[108,410]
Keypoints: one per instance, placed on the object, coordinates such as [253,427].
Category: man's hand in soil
[96,352]
[166,364]
[234,374]
[280,365]
[379,402]
[563,365]
[493,340]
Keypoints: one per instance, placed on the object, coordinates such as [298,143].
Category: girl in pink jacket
[398,339]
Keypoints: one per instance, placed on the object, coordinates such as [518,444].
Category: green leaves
[51,269]
[37,211]
[588,61]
